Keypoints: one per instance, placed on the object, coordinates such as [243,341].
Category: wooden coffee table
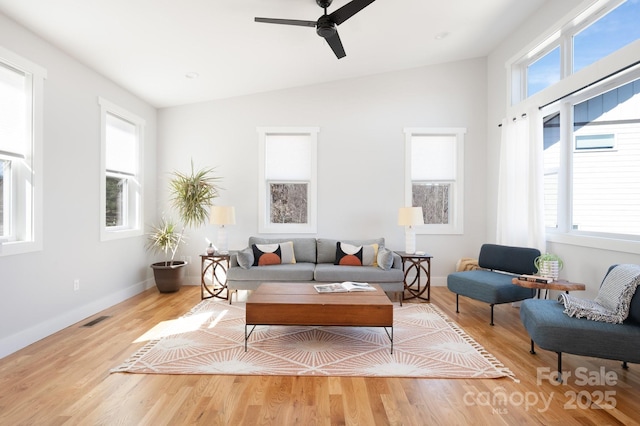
[301,304]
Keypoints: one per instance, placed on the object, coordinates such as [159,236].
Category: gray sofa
[553,330]
[314,263]
[492,284]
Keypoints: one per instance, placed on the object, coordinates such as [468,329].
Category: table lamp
[223,215]
[410,217]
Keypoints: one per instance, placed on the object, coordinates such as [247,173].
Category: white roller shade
[433,157]
[13,111]
[288,157]
[121,145]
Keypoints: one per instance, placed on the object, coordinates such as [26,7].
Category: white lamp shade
[223,215]
[410,216]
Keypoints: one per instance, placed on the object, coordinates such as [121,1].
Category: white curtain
[520,212]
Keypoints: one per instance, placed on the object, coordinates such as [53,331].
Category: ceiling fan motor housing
[327,23]
[325,27]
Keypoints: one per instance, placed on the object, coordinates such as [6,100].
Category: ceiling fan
[326,24]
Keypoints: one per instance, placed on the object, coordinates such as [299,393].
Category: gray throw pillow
[385,258]
[245,258]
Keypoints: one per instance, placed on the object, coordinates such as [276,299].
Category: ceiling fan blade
[336,45]
[287,22]
[348,10]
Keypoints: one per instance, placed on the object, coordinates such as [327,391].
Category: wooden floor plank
[65,379]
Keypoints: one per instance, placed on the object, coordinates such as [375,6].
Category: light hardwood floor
[65,379]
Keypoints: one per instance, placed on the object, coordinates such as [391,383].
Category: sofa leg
[624,365]
[457,296]
[533,348]
[491,323]
[559,379]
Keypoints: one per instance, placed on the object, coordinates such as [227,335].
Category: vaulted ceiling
[151,47]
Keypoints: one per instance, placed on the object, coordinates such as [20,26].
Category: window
[287,187]
[611,32]
[434,177]
[543,72]
[21,99]
[605,27]
[121,188]
[588,142]
[599,129]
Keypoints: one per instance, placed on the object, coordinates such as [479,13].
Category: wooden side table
[217,265]
[421,265]
[561,285]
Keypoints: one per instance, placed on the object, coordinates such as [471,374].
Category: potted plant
[191,195]
[548,265]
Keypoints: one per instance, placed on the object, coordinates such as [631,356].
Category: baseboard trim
[24,338]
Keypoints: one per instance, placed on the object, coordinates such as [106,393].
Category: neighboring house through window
[594,189]
[121,186]
[434,177]
[21,100]
[288,180]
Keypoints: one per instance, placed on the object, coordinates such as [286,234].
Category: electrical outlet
[76,284]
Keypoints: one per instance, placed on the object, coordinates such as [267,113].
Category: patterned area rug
[210,340]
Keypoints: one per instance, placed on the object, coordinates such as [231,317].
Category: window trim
[264,224]
[33,226]
[457,198]
[135,202]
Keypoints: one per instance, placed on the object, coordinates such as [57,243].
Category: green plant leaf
[164,238]
[192,194]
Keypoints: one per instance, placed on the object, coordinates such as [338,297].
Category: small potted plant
[548,265]
[191,195]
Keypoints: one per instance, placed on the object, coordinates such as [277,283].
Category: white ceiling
[148,46]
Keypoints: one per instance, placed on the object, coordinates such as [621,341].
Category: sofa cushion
[326,272]
[301,271]
[487,286]
[245,258]
[266,254]
[273,254]
[517,260]
[385,258]
[350,255]
[327,247]
[304,249]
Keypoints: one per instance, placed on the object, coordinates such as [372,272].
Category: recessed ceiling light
[192,75]
[441,35]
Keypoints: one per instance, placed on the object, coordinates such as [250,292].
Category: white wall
[37,296]
[360,152]
[582,264]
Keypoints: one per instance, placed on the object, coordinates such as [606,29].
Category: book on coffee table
[343,287]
